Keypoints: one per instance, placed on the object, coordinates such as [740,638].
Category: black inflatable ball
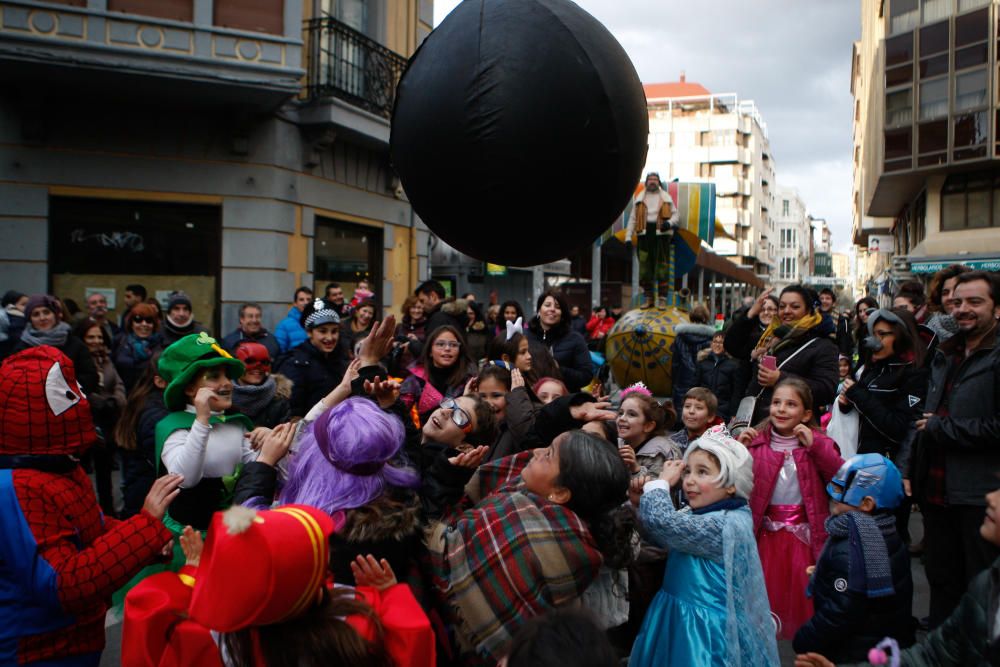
[519,130]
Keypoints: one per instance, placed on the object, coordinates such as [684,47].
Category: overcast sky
[792,57]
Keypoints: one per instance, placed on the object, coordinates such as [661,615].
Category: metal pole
[701,285]
[635,275]
[711,291]
[595,274]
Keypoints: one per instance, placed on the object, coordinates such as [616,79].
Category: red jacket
[596,327]
[815,466]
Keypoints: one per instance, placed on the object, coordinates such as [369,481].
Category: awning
[935,264]
[707,259]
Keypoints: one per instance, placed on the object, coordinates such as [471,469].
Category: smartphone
[769,362]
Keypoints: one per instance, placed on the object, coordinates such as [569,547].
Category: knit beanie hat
[39,300]
[177,298]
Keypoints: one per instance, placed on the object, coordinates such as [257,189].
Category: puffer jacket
[815,467]
[846,624]
[889,398]
[742,335]
[289,332]
[313,374]
[718,374]
[689,340]
[966,637]
[968,434]
[569,349]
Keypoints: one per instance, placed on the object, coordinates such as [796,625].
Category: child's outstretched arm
[699,535]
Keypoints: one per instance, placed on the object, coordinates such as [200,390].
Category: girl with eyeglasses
[137,343]
[442,371]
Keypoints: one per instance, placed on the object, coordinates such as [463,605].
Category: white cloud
[791,57]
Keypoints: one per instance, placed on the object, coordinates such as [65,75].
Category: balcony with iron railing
[350,72]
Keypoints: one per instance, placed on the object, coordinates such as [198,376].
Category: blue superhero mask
[867,475]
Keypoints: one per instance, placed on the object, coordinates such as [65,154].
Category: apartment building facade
[792,238]
[231,148]
[695,135]
[924,78]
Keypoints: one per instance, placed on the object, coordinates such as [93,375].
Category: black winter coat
[968,435]
[569,349]
[816,364]
[313,374]
[845,625]
[689,340]
[889,398]
[129,367]
[719,375]
[741,338]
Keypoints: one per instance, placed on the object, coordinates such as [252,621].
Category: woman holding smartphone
[796,343]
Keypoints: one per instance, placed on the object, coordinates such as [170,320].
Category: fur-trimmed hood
[282,386]
[690,328]
[383,519]
[456,308]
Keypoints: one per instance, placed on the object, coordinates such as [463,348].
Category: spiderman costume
[60,558]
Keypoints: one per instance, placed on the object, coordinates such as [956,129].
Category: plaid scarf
[868,571]
[511,557]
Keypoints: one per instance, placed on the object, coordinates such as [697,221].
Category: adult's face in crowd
[21,303]
[428,299]
[324,337]
[947,294]
[549,314]
[445,350]
[43,318]
[601,313]
[904,303]
[131,298]
[975,311]
[302,300]
[791,307]
[416,312]
[510,314]
[97,304]
[885,333]
[335,295]
[718,344]
[863,312]
[250,321]
[652,183]
[181,314]
[94,339]
[826,302]
[142,326]
[364,315]
[767,312]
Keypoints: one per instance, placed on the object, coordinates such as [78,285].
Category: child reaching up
[792,463]
[710,610]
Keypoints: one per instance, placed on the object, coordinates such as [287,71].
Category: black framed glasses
[461,418]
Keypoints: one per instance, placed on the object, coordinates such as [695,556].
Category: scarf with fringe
[778,335]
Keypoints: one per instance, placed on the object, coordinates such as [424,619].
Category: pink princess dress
[784,545]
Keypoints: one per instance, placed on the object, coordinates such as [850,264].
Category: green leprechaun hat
[180,363]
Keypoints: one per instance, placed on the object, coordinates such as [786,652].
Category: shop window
[934,99]
[970,90]
[968,200]
[346,253]
[899,107]
[108,244]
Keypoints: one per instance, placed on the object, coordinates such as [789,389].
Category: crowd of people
[457,486]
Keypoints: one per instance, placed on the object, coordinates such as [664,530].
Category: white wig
[735,462]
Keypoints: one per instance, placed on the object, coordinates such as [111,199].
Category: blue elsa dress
[712,608]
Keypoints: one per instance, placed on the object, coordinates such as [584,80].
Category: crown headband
[637,388]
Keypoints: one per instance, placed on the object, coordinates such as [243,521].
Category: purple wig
[343,461]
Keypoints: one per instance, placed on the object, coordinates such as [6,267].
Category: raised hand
[379,342]
[192,545]
[589,412]
[370,572]
[628,456]
[758,305]
[747,436]
[277,443]
[470,458]
[161,494]
[516,379]
[804,434]
[672,471]
[384,391]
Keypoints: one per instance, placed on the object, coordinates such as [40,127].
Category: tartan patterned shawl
[512,556]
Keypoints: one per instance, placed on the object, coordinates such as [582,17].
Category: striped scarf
[868,571]
[511,557]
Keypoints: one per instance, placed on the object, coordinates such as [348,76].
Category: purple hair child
[343,460]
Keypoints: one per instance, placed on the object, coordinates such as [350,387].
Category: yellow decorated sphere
[638,347]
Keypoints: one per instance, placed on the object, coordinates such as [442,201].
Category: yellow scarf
[797,327]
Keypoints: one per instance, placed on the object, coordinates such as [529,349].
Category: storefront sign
[495,269]
[974,264]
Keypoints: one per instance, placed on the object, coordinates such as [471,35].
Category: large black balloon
[519,130]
